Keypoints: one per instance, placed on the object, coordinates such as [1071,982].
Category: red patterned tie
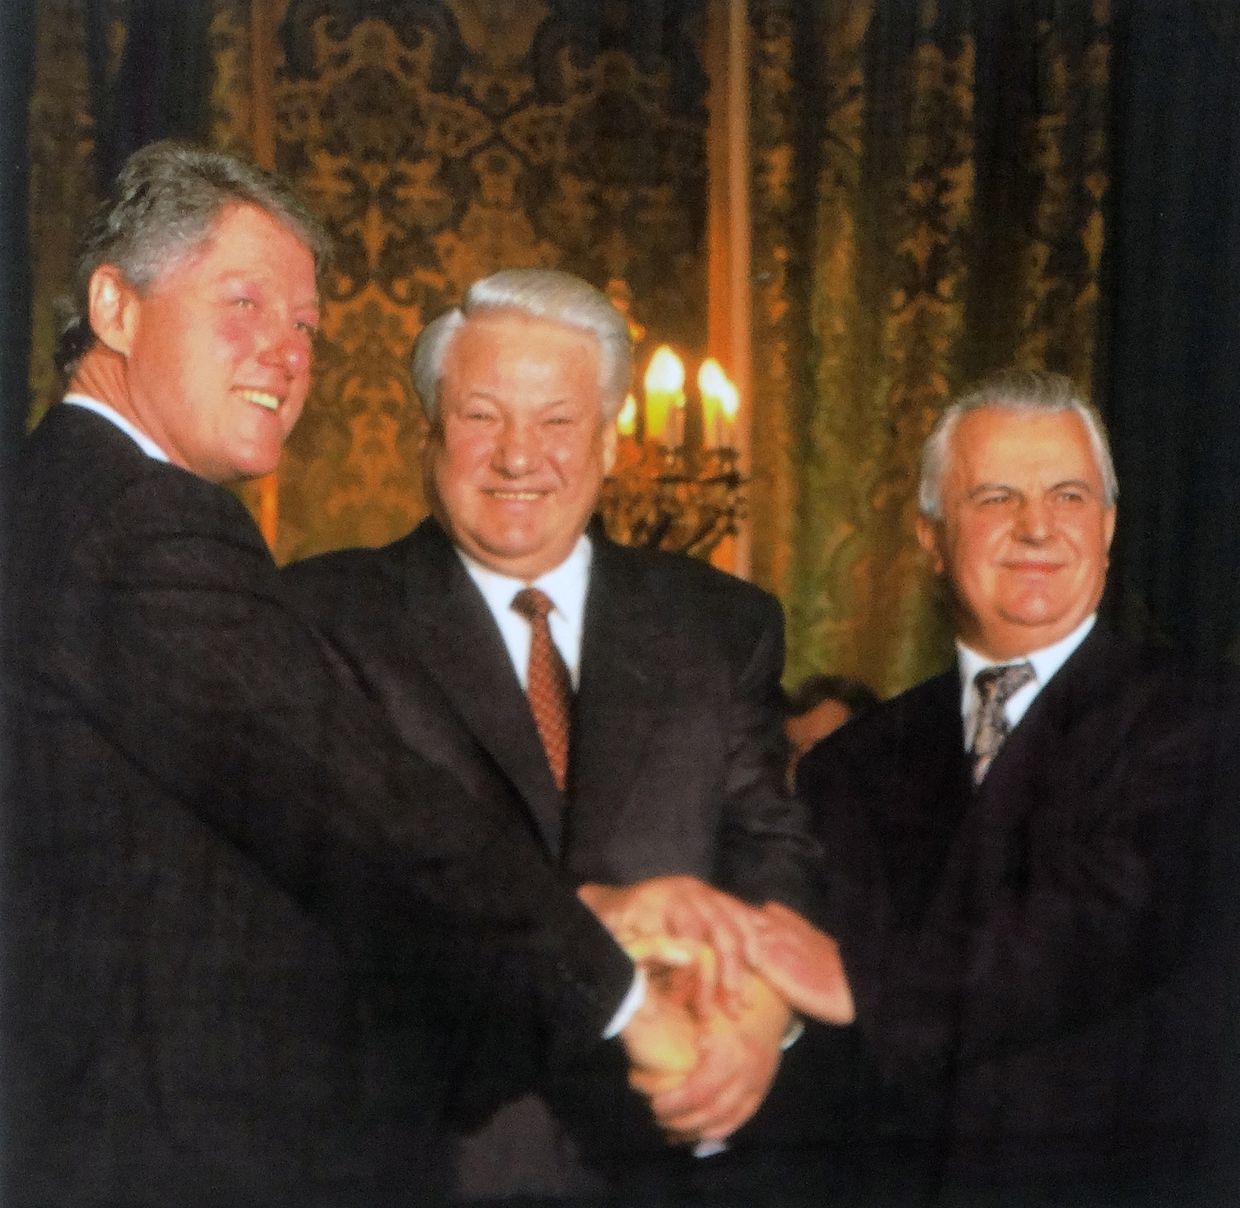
[549,687]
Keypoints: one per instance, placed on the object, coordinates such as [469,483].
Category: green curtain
[929,183]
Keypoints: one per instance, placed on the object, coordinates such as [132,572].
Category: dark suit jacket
[1033,963]
[677,748]
[251,940]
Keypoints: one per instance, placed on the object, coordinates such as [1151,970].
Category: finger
[727,940]
[653,1082]
[717,1119]
[662,950]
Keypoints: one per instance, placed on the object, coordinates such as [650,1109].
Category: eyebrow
[983,487]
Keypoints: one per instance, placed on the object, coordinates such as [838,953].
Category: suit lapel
[934,793]
[1088,675]
[451,632]
[623,673]
[1013,787]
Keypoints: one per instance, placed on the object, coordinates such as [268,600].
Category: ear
[113,308]
[1108,521]
[930,538]
[610,442]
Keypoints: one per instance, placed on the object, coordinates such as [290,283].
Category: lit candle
[712,383]
[626,421]
[665,397]
[729,408]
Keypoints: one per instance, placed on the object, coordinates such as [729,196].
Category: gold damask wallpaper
[443,140]
[440,140]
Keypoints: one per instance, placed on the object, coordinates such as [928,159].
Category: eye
[1070,495]
[995,498]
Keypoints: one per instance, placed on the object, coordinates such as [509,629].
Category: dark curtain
[106,77]
[929,182]
[16,75]
[159,88]
[1171,384]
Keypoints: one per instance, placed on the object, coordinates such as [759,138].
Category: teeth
[262,398]
[518,496]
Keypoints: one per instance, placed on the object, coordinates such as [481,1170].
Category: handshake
[723,981]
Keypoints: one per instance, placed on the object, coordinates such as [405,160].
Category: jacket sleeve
[173,638]
[767,852]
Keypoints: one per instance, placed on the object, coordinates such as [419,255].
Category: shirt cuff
[629,1006]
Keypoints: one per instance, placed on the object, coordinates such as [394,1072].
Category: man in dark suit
[256,949]
[1022,855]
[672,781]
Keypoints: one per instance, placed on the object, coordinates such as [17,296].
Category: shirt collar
[565,584]
[1045,661]
[100,408]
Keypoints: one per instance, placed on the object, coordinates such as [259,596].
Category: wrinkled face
[1025,532]
[217,351]
[519,449]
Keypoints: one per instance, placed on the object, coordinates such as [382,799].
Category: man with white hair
[1021,854]
[630,699]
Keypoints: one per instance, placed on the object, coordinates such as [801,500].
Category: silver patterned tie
[995,687]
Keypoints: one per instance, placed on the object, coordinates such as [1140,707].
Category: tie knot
[997,685]
[531,603]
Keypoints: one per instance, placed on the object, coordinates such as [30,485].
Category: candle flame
[666,372]
[711,378]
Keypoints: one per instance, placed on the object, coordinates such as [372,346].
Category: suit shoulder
[354,564]
[900,722]
[690,580]
[349,585]
[79,476]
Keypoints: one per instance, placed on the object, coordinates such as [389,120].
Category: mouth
[517,496]
[1033,568]
[262,398]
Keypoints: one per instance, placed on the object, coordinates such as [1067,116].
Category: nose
[288,347]
[517,450]
[1033,521]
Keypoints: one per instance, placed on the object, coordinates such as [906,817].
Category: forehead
[993,444]
[506,346]
[246,239]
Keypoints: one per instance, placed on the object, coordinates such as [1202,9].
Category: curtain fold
[929,186]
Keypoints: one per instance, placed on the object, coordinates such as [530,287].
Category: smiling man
[253,942]
[1018,853]
[657,775]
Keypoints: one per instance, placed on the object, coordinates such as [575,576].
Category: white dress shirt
[564,585]
[1045,663]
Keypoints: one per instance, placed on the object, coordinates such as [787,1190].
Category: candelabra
[676,483]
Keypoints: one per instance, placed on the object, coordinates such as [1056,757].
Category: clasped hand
[723,979]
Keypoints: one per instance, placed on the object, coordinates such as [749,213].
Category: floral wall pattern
[442,141]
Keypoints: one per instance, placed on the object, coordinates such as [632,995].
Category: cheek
[460,458]
[232,338]
[578,465]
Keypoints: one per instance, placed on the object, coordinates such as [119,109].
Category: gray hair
[1027,391]
[537,293]
[161,209]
